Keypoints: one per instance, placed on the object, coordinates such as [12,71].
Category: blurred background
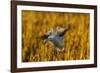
[76,41]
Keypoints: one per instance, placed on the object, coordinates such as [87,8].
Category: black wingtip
[44,36]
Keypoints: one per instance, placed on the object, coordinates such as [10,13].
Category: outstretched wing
[47,34]
[64,30]
[62,33]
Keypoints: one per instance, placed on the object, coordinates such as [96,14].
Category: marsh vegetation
[76,41]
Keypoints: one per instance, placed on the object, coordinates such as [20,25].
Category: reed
[76,41]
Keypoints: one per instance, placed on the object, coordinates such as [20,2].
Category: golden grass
[76,41]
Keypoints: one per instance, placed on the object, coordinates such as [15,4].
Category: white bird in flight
[56,36]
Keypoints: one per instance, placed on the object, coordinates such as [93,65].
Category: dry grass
[76,41]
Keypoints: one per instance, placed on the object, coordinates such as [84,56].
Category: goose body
[56,37]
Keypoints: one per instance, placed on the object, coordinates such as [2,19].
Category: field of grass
[76,40]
